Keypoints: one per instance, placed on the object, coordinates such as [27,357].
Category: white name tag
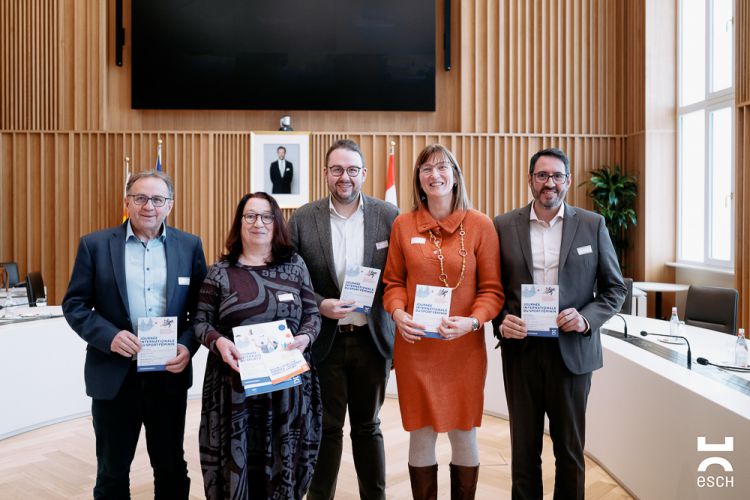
[286,297]
[584,250]
[183,280]
[381,244]
[418,240]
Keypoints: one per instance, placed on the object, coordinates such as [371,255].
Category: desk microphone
[689,354]
[704,362]
[625,325]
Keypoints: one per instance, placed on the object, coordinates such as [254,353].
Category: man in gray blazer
[353,352]
[553,243]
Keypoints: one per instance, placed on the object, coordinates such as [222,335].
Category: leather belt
[350,328]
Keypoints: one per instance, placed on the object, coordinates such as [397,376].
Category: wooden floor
[58,462]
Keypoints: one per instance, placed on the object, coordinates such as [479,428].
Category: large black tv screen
[283,54]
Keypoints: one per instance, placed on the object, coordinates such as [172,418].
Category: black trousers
[354,374]
[142,400]
[538,382]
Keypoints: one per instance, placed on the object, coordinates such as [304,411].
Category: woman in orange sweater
[442,242]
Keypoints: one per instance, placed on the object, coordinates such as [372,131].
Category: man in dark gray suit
[553,243]
[353,352]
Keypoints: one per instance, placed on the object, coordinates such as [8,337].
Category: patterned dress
[262,446]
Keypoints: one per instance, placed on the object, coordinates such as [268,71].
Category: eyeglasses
[251,217]
[428,169]
[338,171]
[142,199]
[557,177]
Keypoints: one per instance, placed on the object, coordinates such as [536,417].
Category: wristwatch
[474,323]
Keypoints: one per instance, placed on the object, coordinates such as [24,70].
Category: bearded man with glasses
[353,352]
[141,268]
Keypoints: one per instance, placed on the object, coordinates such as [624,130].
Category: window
[705,124]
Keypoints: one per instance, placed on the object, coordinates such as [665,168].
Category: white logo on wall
[715,478]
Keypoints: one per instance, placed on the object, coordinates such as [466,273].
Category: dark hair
[345,144]
[557,153]
[281,147]
[151,173]
[460,198]
[281,244]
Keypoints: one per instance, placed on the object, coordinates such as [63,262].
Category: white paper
[265,363]
[431,305]
[360,285]
[158,338]
[539,307]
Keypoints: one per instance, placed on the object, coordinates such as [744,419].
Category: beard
[345,199]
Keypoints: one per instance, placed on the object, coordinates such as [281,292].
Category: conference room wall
[58,186]
[742,160]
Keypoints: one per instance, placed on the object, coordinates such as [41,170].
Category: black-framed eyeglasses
[428,169]
[251,217]
[142,199]
[557,177]
[338,171]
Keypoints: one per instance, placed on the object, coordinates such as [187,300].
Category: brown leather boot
[423,482]
[464,482]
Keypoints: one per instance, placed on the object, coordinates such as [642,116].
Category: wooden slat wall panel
[542,66]
[29,58]
[61,185]
[742,140]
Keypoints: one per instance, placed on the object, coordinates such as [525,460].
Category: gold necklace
[462,252]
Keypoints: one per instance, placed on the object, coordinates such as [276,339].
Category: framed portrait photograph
[280,166]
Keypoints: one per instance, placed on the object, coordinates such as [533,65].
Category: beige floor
[58,462]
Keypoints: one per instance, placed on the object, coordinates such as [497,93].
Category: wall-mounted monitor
[283,54]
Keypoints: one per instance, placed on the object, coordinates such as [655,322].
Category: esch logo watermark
[718,477]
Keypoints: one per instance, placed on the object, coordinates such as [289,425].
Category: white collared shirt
[348,242]
[282,166]
[546,240]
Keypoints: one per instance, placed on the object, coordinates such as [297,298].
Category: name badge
[286,297]
[418,240]
[381,244]
[183,280]
[584,250]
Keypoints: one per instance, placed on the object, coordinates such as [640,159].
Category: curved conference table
[645,413]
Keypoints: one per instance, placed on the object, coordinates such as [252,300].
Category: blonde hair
[419,198]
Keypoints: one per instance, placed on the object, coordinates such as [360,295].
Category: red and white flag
[390,178]
[125,188]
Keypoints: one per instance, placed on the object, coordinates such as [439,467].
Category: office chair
[34,287]
[712,307]
[12,269]
[627,306]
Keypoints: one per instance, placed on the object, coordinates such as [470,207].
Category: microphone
[705,362]
[625,325]
[689,354]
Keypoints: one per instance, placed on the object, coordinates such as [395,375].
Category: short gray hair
[151,173]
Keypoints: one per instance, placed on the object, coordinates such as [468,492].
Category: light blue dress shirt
[146,276]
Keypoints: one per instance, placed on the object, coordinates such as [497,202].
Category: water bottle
[674,323]
[740,349]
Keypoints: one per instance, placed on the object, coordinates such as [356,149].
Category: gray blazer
[581,274]
[310,228]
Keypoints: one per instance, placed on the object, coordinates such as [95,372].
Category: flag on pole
[390,178]
[125,188]
[158,156]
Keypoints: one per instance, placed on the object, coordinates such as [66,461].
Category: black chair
[712,307]
[12,269]
[627,306]
[34,288]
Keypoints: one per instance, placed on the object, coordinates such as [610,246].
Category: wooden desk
[658,289]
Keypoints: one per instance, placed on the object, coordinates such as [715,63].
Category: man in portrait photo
[282,172]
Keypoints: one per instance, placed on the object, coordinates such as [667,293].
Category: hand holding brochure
[360,285]
[431,305]
[158,338]
[265,363]
[539,307]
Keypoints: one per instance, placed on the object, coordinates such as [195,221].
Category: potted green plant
[613,193]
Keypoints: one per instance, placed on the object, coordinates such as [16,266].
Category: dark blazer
[282,184]
[310,228]
[96,303]
[580,275]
